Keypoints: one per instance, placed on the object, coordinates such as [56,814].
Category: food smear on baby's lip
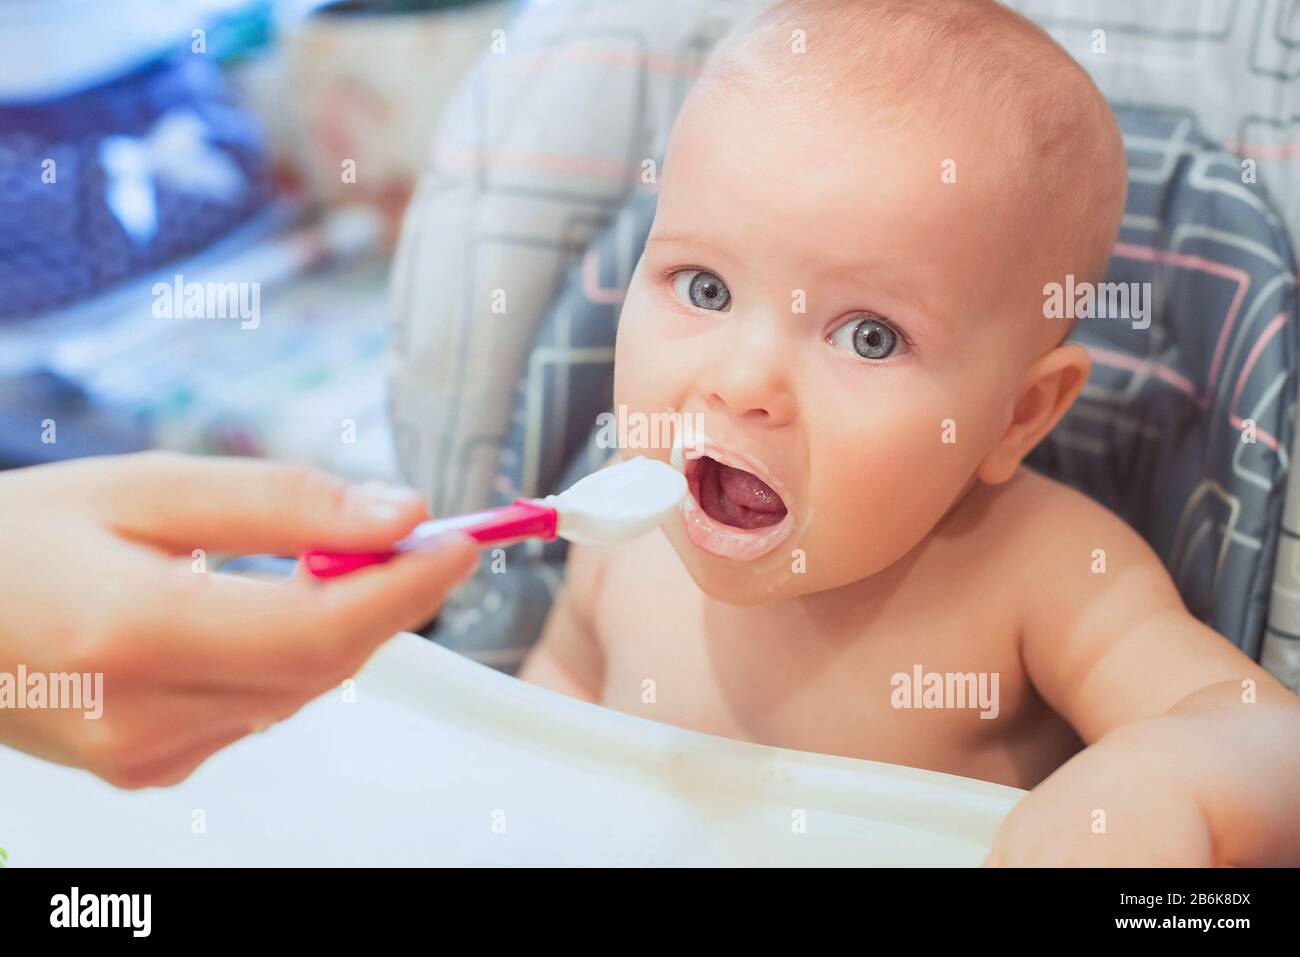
[682,442]
[619,502]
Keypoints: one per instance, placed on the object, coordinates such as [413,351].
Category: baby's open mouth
[732,496]
[731,512]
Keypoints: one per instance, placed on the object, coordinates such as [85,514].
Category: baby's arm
[1194,750]
[568,657]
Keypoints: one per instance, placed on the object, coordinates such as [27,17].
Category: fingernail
[379,501]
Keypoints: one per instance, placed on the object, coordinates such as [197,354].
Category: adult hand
[98,575]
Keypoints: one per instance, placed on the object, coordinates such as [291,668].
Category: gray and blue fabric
[1185,428]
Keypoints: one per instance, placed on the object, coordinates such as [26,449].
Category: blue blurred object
[104,184]
[45,417]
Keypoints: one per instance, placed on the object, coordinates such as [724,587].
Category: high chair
[541,188]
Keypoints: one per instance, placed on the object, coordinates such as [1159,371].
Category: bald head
[968,70]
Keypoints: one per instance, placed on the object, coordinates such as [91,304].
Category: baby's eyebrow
[694,240]
[668,237]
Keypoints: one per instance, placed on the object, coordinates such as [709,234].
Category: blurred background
[151,148]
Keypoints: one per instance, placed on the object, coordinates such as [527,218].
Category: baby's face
[844,325]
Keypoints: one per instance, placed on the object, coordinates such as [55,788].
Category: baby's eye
[701,289]
[868,337]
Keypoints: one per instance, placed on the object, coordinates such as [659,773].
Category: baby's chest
[925,689]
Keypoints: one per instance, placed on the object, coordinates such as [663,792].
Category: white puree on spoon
[618,503]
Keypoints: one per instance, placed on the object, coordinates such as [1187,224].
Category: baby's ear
[1049,387]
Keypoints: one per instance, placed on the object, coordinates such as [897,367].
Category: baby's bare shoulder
[1066,555]
[584,574]
[1039,517]
[641,565]
[1103,633]
[1053,548]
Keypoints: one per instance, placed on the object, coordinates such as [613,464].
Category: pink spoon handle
[494,526]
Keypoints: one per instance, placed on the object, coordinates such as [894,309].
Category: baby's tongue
[747,489]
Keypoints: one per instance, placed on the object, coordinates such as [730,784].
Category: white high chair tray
[442,761]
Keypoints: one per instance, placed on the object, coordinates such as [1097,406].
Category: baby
[860,205]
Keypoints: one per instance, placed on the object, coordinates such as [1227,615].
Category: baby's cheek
[880,493]
[635,362]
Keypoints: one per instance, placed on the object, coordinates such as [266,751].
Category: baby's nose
[753,379]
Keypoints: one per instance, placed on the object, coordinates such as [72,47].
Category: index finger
[244,505]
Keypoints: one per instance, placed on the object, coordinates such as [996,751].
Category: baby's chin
[762,581]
